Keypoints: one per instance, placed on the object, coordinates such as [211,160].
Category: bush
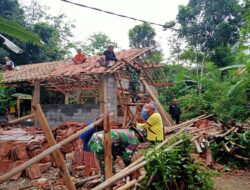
[176,169]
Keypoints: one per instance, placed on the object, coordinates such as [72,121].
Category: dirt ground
[235,180]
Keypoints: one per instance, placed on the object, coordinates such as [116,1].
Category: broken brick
[5,148]
[33,171]
[18,152]
[5,165]
[44,166]
[15,165]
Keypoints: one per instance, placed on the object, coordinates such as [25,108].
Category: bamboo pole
[169,129]
[47,151]
[165,116]
[22,118]
[51,141]
[120,175]
[131,183]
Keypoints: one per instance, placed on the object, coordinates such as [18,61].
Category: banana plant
[11,28]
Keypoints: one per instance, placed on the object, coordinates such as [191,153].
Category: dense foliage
[215,74]
[176,169]
[97,43]
[54,31]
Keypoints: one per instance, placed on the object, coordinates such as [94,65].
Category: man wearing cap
[124,144]
[175,111]
[147,100]
[153,124]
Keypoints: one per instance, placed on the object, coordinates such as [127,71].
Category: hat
[141,132]
[146,95]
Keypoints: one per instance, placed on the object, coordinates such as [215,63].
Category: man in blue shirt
[110,57]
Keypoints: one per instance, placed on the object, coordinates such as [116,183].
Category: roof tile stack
[15,152]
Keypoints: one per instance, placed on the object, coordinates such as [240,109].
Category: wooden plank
[107,147]
[36,93]
[51,141]
[107,136]
[124,120]
[22,118]
[35,98]
[18,102]
[66,97]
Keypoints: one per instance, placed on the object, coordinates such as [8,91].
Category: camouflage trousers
[134,89]
[116,151]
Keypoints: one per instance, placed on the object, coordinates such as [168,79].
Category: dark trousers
[176,118]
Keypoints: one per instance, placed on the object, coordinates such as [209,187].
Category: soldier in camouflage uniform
[134,72]
[124,144]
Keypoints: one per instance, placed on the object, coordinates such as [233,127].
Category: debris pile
[18,145]
[220,141]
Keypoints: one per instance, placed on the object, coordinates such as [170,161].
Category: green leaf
[231,67]
[12,28]
[234,87]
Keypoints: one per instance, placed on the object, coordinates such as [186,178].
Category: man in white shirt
[9,65]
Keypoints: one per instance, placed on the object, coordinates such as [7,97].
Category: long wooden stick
[22,118]
[47,152]
[169,129]
[51,141]
[131,183]
[107,147]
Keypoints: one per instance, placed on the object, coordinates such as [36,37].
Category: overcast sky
[89,21]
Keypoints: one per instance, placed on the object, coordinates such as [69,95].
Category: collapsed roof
[64,76]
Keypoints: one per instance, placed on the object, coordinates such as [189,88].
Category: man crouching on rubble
[124,144]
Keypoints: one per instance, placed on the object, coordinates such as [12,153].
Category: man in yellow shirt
[153,125]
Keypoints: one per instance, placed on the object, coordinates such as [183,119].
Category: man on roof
[110,58]
[80,57]
[9,65]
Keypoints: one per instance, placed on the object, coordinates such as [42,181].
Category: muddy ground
[235,180]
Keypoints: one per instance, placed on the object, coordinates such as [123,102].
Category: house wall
[111,96]
[59,113]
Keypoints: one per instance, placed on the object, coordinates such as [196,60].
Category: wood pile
[226,136]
